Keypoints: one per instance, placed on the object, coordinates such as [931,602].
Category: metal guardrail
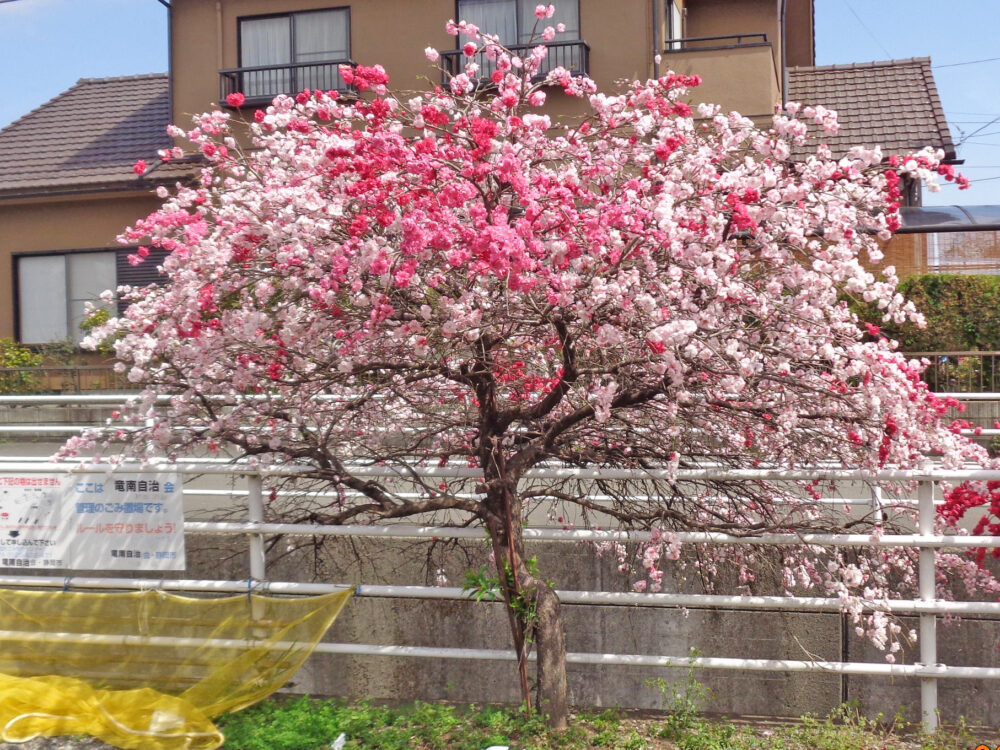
[952,371]
[926,606]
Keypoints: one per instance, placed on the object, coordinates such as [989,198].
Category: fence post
[255,514]
[928,620]
[877,514]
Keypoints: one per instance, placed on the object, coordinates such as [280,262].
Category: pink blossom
[633,289]
[139,167]
[431,54]
[235,99]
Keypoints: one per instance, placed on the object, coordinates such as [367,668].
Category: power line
[967,62]
[979,130]
[865,27]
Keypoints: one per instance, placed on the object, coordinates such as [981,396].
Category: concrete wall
[666,631]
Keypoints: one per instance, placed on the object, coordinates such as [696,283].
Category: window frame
[517,20]
[119,254]
[675,36]
[346,9]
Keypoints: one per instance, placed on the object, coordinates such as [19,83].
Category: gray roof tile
[89,136]
[893,104]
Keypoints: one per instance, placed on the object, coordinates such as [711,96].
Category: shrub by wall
[14,355]
[962,311]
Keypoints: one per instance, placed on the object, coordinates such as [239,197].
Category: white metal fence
[928,669]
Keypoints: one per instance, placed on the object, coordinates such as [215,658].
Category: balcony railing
[262,83]
[574,56]
[728,41]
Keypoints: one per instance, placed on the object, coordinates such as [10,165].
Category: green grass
[308,724]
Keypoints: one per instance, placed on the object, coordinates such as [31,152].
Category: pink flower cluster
[635,289]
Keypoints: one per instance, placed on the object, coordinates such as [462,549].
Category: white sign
[91,521]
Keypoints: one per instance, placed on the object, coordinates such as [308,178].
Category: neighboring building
[67,188]
[66,182]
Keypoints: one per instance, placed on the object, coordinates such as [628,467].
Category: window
[675,25]
[293,51]
[52,289]
[514,20]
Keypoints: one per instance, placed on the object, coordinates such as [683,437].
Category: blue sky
[46,45]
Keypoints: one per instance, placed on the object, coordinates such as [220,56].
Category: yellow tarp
[147,669]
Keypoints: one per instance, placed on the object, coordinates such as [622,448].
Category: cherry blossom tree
[644,288]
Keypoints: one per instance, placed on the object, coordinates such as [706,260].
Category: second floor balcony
[260,84]
[738,71]
[574,56]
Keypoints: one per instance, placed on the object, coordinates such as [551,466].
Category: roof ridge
[948,144]
[81,82]
[111,79]
[41,106]
[856,65]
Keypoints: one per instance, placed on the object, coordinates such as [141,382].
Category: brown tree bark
[535,616]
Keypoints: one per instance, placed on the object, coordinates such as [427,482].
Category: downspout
[218,35]
[784,50]
[655,8]
[170,60]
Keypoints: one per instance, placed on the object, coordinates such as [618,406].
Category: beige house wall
[204,40]
[78,222]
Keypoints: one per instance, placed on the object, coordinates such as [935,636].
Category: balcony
[574,56]
[262,83]
[738,71]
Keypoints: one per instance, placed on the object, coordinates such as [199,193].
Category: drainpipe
[784,50]
[655,7]
[170,60]
[218,35]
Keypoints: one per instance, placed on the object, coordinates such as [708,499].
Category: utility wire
[978,130]
[967,62]
[865,27]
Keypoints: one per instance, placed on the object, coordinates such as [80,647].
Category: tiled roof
[893,104]
[88,137]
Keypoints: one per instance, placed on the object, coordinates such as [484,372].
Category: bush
[14,355]
[963,313]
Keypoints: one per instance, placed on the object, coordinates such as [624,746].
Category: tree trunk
[550,647]
[535,617]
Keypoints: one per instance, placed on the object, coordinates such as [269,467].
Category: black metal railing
[262,83]
[727,41]
[961,371]
[574,56]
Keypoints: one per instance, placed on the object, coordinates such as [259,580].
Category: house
[66,192]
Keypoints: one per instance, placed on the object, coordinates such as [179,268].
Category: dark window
[294,51]
[54,288]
